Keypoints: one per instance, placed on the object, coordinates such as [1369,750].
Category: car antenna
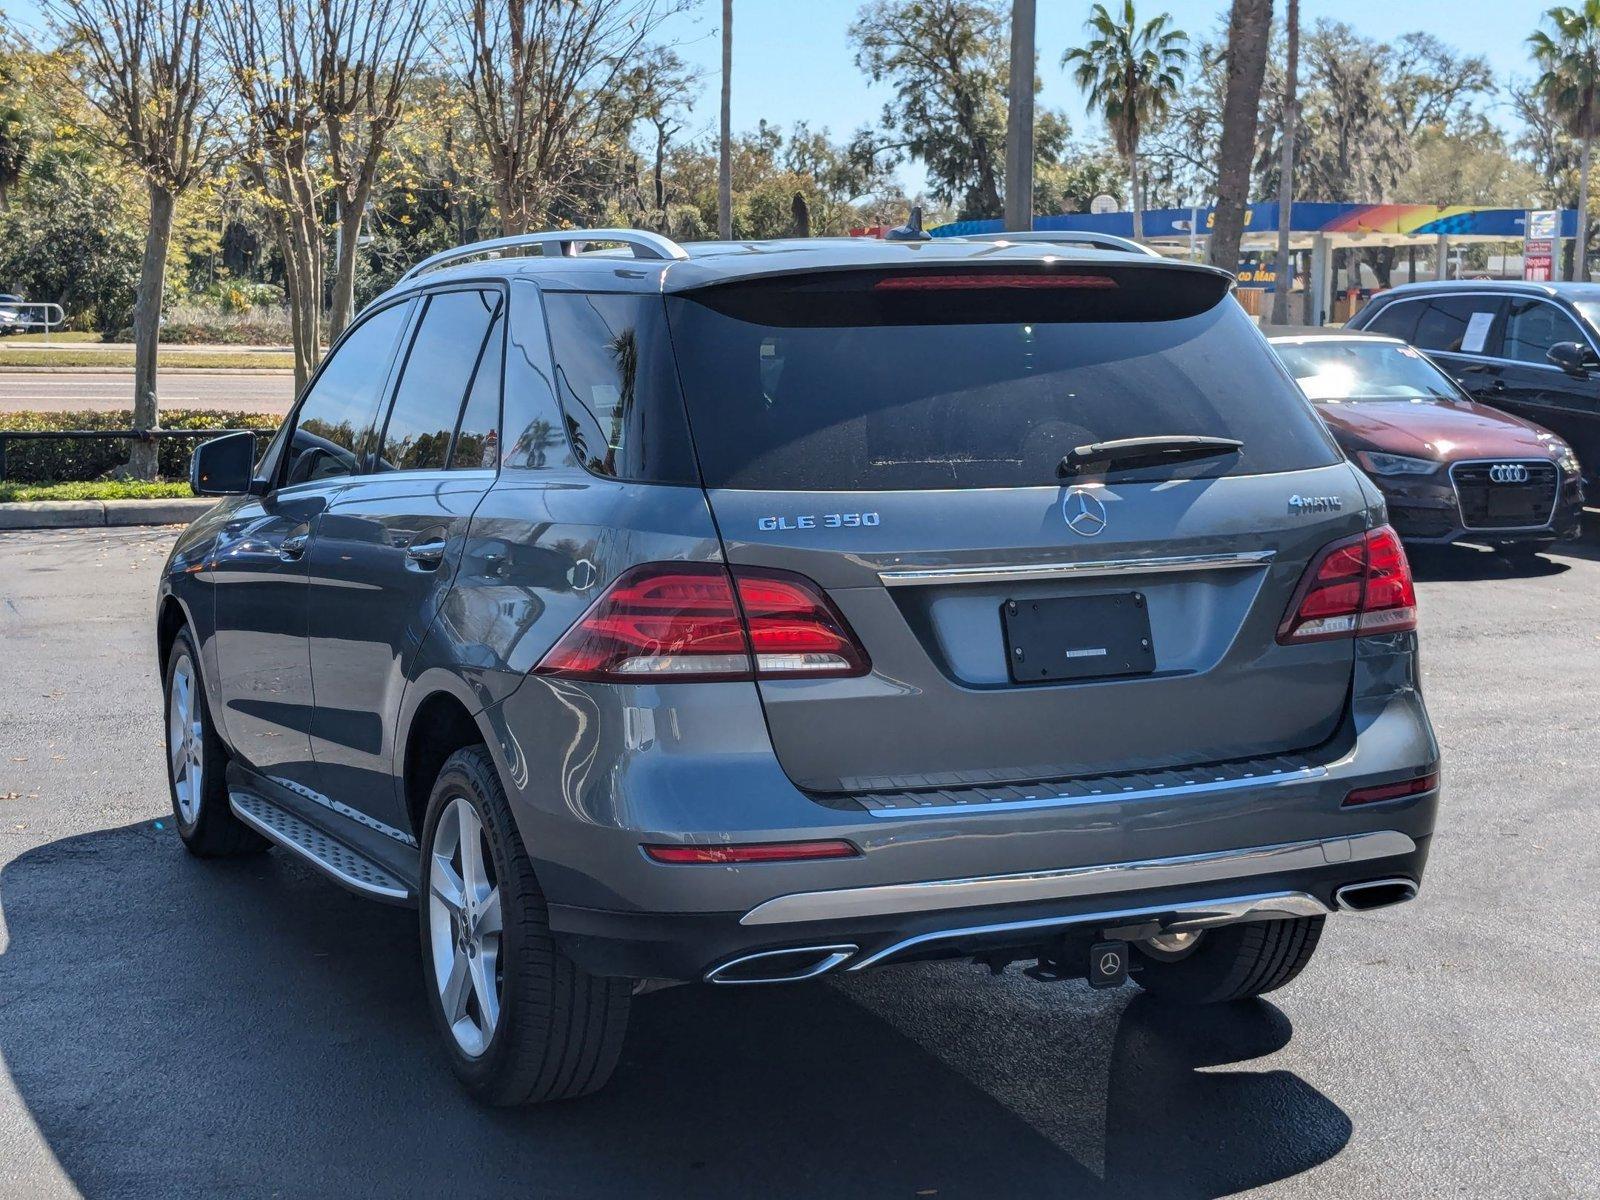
[911,231]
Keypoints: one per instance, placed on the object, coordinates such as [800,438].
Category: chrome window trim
[1555,498]
[1274,779]
[1091,569]
[1076,882]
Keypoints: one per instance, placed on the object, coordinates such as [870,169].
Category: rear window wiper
[1129,453]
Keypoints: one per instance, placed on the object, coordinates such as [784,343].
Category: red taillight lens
[1357,586]
[753,852]
[1394,791]
[665,621]
[989,281]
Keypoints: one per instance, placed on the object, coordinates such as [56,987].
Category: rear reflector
[682,621]
[754,852]
[1394,791]
[1356,586]
[989,281]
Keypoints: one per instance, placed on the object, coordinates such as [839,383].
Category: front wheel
[1231,963]
[522,1023]
[196,761]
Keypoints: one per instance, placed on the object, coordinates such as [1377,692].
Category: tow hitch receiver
[1108,964]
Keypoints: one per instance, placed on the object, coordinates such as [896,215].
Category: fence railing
[127,435]
[50,315]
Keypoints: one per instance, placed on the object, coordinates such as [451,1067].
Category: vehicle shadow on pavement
[1465,564]
[177,1027]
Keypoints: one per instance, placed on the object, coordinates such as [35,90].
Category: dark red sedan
[1450,468]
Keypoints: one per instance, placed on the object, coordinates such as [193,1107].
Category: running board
[333,858]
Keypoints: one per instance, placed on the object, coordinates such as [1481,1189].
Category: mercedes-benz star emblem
[1083,511]
[1110,963]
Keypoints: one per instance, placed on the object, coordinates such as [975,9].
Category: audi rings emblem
[1508,473]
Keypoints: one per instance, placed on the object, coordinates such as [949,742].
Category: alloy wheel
[464,926]
[185,741]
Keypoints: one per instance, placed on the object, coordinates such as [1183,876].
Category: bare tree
[144,66]
[1249,30]
[538,76]
[368,52]
[1291,114]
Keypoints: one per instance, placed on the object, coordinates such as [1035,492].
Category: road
[170,1027]
[58,391]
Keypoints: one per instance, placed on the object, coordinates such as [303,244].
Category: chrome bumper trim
[1273,779]
[1076,882]
[1025,572]
[1178,918]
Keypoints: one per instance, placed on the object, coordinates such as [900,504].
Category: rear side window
[451,340]
[1457,324]
[1397,320]
[910,387]
[1532,327]
[618,389]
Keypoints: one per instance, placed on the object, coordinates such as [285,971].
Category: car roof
[708,263]
[1558,290]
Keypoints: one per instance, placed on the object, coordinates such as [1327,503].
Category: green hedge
[67,461]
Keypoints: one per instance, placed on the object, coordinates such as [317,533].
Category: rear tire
[197,762]
[1231,963]
[526,1024]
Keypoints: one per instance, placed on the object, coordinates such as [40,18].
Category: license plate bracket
[1077,637]
[1510,502]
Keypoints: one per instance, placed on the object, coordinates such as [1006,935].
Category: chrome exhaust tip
[1375,893]
[781,966]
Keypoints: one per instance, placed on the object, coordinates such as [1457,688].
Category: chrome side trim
[330,856]
[344,810]
[1105,796]
[1093,569]
[1076,882]
[1179,918]
[832,957]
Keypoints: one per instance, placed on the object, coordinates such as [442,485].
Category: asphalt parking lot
[170,1027]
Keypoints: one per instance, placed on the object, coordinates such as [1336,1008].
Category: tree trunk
[343,307]
[660,171]
[1291,118]
[725,141]
[1019,119]
[142,457]
[1249,29]
[1580,257]
[1134,199]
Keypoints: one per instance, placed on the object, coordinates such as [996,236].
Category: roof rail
[562,242]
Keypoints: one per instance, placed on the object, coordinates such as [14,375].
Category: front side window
[335,421]
[1397,320]
[1457,324]
[451,340]
[1532,327]
[618,388]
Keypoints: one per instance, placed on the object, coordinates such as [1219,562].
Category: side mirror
[222,466]
[1572,357]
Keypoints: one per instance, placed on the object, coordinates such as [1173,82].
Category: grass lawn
[104,489]
[55,337]
[115,360]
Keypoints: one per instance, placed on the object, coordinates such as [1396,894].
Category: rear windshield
[846,383]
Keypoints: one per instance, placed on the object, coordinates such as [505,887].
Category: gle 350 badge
[849,520]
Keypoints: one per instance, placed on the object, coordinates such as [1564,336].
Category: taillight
[681,621]
[1356,586]
[990,281]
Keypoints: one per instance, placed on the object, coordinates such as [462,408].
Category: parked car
[738,614]
[1450,468]
[12,318]
[1527,348]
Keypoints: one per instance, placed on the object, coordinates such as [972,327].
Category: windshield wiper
[1130,453]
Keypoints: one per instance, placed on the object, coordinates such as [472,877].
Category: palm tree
[1569,55]
[1131,73]
[1291,115]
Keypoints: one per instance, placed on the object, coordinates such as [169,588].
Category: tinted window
[882,390]
[1457,324]
[438,371]
[478,440]
[619,393]
[1397,320]
[335,423]
[1532,327]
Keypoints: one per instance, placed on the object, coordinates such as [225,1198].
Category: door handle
[426,554]
[293,547]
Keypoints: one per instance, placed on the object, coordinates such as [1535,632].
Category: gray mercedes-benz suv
[741,613]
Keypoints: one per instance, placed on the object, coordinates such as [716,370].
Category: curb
[98,514]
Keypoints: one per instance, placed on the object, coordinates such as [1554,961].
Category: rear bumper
[1126,900]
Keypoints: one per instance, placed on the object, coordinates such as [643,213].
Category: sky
[793,62]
